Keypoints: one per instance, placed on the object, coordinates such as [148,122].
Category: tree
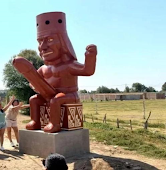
[112,90]
[127,89]
[92,92]
[117,90]
[164,87]
[3,94]
[103,89]
[83,91]
[15,82]
[150,89]
[138,87]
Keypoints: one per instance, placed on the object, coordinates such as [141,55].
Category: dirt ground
[102,157]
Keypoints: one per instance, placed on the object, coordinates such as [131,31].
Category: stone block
[67,143]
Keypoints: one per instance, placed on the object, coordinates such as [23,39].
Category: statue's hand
[91,51]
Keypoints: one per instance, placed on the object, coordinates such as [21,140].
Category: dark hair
[55,161]
[15,100]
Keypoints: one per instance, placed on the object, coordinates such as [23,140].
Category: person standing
[11,119]
[3,122]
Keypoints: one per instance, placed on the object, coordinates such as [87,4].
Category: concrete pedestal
[67,143]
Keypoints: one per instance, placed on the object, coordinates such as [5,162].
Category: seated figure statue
[55,81]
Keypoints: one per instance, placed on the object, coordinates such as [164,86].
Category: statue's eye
[50,39]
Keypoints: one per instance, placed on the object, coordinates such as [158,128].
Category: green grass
[126,110]
[156,125]
[140,140]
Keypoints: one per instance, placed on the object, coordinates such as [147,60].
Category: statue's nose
[44,45]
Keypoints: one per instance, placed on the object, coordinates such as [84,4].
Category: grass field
[126,110]
[151,142]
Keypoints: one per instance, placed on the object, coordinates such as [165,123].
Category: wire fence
[127,113]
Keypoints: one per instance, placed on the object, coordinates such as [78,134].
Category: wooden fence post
[104,119]
[131,125]
[96,108]
[143,105]
[146,122]
[117,123]
[92,119]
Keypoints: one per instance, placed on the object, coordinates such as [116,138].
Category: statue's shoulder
[42,69]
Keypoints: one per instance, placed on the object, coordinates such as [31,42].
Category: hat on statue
[54,23]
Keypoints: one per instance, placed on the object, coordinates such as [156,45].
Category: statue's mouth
[48,53]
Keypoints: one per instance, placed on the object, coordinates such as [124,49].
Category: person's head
[15,102]
[55,162]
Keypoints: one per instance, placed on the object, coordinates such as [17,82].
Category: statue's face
[49,47]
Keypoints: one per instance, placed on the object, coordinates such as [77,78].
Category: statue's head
[52,37]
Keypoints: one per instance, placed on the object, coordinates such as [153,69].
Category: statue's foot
[32,125]
[50,128]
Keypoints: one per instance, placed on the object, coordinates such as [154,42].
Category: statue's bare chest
[55,72]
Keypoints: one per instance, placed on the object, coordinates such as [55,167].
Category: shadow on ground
[94,161]
[10,154]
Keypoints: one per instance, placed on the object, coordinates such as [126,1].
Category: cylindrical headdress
[55,23]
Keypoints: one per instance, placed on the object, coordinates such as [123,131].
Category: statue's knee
[54,101]
[60,95]
[33,98]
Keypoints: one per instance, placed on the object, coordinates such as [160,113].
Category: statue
[55,81]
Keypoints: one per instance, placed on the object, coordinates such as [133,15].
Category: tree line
[136,87]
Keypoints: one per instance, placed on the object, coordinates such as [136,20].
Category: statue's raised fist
[91,50]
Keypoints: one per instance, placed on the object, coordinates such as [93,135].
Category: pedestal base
[66,143]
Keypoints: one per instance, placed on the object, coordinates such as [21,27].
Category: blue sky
[130,36]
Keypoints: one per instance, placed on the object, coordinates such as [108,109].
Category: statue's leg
[35,102]
[55,109]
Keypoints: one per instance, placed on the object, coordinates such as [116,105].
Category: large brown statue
[55,81]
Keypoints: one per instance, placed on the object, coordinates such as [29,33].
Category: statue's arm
[88,68]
